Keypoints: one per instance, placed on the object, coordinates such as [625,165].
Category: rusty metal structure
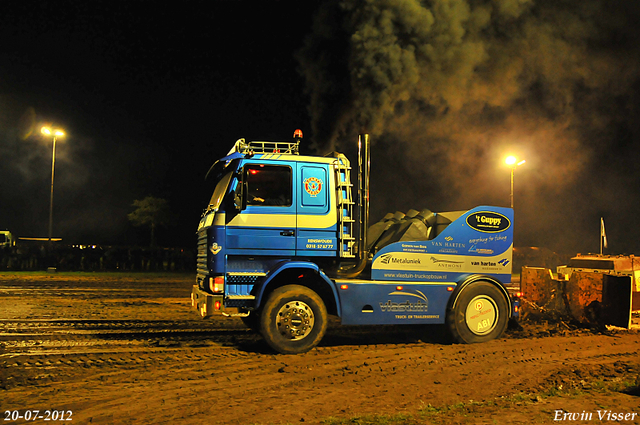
[602,289]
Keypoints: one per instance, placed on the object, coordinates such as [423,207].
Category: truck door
[267,226]
[317,219]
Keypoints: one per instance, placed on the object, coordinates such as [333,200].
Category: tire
[480,314]
[293,319]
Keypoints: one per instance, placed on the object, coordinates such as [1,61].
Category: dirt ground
[112,349]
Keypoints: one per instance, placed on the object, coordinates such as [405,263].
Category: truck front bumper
[207,304]
[204,303]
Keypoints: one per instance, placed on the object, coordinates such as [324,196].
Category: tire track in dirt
[325,382]
[134,365]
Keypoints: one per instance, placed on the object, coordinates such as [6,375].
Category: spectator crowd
[95,258]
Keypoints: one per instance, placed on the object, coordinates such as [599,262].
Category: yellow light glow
[510,160]
[55,132]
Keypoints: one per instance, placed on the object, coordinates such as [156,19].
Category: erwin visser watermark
[598,415]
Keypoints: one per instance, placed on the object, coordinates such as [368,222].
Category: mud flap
[617,300]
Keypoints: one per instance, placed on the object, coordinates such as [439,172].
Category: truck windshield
[220,190]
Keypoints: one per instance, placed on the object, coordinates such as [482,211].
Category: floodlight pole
[512,172]
[512,161]
[55,133]
[53,168]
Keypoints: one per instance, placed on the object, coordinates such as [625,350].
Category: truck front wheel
[480,314]
[293,319]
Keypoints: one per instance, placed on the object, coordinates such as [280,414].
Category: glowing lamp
[216,284]
[49,132]
[512,161]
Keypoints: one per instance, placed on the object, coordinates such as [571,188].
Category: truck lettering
[404,306]
[483,263]
[484,324]
[493,221]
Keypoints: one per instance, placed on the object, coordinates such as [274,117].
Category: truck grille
[202,260]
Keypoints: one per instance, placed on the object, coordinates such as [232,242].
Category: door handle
[288,233]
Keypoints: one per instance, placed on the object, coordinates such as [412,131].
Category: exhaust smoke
[449,88]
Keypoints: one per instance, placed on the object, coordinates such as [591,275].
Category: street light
[512,161]
[55,133]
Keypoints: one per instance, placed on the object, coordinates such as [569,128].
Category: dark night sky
[152,94]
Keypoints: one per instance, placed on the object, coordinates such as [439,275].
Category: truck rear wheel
[481,313]
[293,319]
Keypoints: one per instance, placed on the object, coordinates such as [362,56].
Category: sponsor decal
[488,239]
[390,259]
[447,264]
[474,248]
[215,248]
[503,262]
[488,222]
[484,263]
[414,248]
[448,247]
[421,305]
[479,305]
[415,276]
[447,244]
[313,186]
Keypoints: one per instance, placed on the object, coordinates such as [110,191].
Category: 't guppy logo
[215,248]
[421,305]
[488,222]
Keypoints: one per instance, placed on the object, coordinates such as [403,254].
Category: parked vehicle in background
[6,238]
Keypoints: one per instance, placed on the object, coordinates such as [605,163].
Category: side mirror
[238,198]
[237,201]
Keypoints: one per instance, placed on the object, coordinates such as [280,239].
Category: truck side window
[268,185]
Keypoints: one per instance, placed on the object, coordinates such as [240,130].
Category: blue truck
[285,241]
